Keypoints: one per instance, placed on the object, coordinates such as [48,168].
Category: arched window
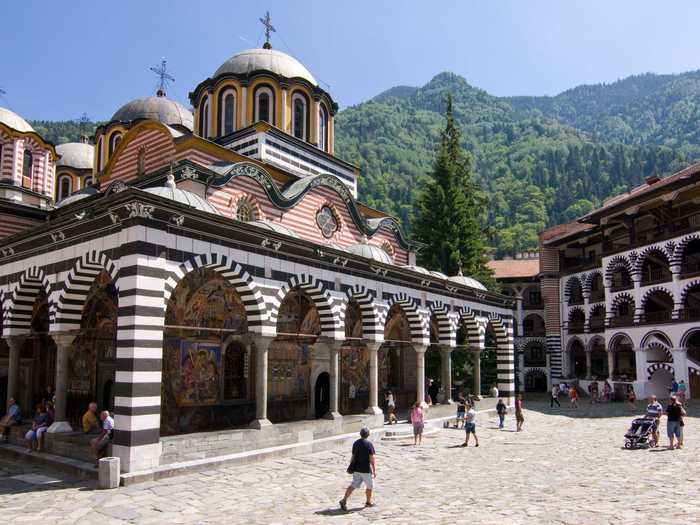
[299,116]
[88,181]
[27,167]
[65,186]
[264,105]
[228,112]
[204,118]
[114,141]
[323,128]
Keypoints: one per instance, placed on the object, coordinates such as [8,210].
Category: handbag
[351,467]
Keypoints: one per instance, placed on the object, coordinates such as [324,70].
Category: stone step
[405,431]
[74,467]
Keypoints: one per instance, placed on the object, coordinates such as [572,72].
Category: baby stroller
[641,433]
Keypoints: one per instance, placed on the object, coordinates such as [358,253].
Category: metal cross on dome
[163,76]
[267,22]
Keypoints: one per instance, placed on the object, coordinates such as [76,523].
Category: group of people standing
[674,413]
[564,390]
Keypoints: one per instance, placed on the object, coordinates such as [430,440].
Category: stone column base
[375,411]
[58,427]
[333,415]
[259,424]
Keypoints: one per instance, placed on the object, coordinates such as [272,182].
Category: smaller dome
[252,60]
[467,281]
[172,192]
[14,121]
[369,251]
[76,155]
[78,196]
[161,109]
[439,275]
[418,269]
[274,227]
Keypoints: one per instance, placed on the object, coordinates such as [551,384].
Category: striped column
[139,358]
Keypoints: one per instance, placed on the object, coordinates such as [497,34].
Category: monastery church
[210,272]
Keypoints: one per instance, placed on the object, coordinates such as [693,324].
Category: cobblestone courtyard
[561,469]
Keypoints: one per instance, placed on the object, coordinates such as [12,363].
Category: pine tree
[451,211]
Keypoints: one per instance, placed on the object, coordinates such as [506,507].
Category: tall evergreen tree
[451,210]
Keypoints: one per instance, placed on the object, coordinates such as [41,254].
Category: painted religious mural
[203,312]
[92,360]
[354,364]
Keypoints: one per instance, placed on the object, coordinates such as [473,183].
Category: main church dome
[158,108]
[252,60]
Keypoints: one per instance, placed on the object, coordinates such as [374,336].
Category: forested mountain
[540,160]
[642,109]
[536,170]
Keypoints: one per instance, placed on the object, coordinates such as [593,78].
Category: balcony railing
[569,264]
[621,284]
[597,296]
[656,317]
[656,275]
[533,306]
[576,299]
[596,324]
[672,228]
[690,267]
[690,314]
[627,320]
[576,327]
[535,333]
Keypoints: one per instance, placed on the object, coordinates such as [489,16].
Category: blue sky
[66,58]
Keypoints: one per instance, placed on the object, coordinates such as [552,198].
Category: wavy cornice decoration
[220,175]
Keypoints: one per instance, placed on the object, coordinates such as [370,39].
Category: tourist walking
[390,407]
[363,469]
[606,392]
[674,387]
[593,392]
[555,397]
[519,417]
[12,417]
[674,416]
[470,426]
[631,397]
[417,420]
[573,397]
[501,411]
[654,411]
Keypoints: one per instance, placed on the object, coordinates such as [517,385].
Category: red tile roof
[515,268]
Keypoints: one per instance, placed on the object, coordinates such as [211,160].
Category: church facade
[213,269]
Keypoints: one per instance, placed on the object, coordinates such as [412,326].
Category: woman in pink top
[417,418]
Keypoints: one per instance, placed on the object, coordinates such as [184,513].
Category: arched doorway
[291,358]
[354,364]
[92,360]
[658,307]
[489,361]
[577,359]
[535,381]
[625,363]
[692,345]
[395,358]
[322,392]
[205,320]
[433,362]
[39,349]
[599,359]
[660,382]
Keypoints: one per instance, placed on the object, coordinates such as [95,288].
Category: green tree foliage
[535,170]
[450,211]
[64,131]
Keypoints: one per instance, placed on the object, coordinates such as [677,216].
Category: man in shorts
[470,426]
[363,468]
